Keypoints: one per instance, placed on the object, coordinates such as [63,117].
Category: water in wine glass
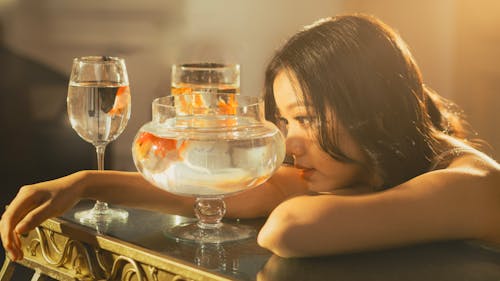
[98,111]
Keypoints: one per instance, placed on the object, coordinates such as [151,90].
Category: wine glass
[99,108]
[208,146]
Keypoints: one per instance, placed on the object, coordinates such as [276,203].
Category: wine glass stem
[100,149]
[209,212]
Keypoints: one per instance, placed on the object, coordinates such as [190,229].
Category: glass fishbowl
[208,146]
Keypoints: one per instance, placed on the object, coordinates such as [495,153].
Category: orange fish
[181,90]
[162,147]
[227,108]
[122,101]
[199,106]
[195,106]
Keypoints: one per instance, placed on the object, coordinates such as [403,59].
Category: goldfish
[122,101]
[181,91]
[227,108]
[197,104]
[161,147]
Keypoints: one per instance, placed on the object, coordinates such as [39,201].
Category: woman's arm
[131,189]
[460,202]
[260,201]
[38,202]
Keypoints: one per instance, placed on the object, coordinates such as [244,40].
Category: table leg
[38,276]
[7,269]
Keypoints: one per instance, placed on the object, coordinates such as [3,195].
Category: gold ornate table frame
[66,251]
[62,249]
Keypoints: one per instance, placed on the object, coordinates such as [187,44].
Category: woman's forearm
[132,190]
[442,205]
[260,201]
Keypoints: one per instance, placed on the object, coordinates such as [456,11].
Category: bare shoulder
[467,157]
[462,156]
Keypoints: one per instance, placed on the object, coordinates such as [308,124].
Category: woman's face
[321,172]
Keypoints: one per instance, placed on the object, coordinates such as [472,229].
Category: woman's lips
[306,173]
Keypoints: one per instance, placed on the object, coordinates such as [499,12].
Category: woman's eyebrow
[294,106]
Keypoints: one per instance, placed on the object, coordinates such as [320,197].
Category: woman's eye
[282,124]
[304,120]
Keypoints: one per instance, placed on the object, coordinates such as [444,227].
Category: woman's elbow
[281,234]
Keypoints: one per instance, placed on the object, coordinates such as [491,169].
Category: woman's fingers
[3,235]
[9,241]
[6,233]
[25,202]
[10,229]
[32,205]
[34,218]
[18,248]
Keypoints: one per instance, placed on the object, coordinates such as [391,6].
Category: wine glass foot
[95,218]
[191,232]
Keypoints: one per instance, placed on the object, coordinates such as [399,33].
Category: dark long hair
[356,70]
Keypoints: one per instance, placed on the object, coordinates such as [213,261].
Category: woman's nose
[295,146]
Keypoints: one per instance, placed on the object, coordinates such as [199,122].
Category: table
[63,249]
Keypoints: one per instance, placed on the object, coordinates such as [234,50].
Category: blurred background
[455,43]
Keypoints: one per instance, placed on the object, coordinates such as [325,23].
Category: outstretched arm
[460,202]
[38,202]
[35,203]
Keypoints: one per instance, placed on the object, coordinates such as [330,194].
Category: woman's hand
[34,204]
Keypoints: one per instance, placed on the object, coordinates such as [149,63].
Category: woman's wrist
[105,185]
[82,182]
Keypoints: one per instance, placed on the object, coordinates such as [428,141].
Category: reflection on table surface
[245,260]
[239,260]
[437,261]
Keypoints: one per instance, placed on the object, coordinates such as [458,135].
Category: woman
[360,121]
[379,159]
